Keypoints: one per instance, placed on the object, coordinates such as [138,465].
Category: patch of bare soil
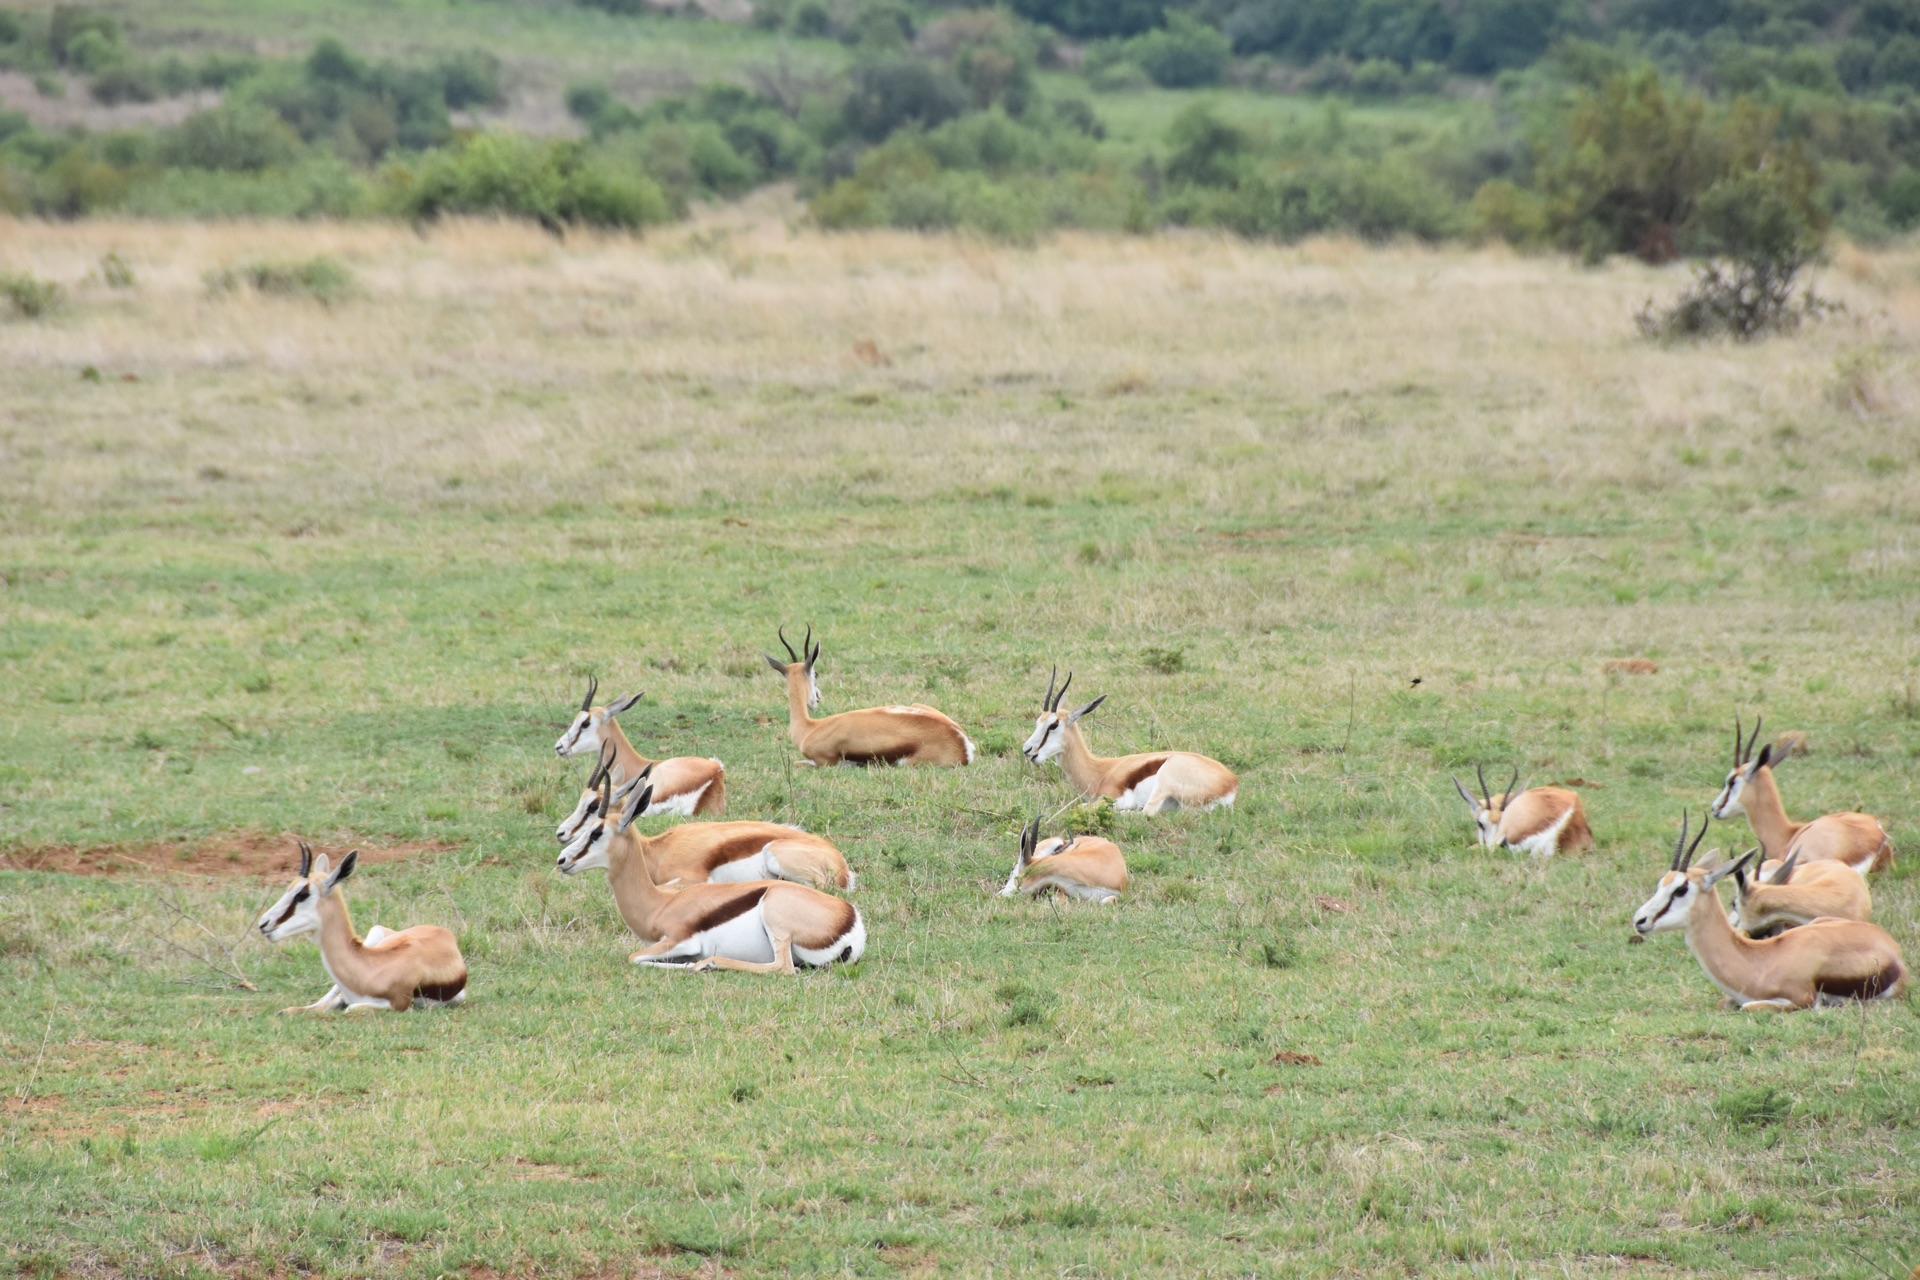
[239,856]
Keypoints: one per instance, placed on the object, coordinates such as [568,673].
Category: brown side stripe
[1141,772]
[1869,987]
[736,905]
[441,991]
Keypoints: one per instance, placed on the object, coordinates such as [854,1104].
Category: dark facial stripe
[293,904]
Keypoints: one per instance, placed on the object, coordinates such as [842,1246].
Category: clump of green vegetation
[1165,659]
[1027,1005]
[320,278]
[1095,819]
[1754,1105]
[116,271]
[28,296]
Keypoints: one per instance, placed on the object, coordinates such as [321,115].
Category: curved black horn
[1683,857]
[1757,722]
[1738,734]
[593,687]
[1680,845]
[1511,783]
[1046,703]
[788,645]
[1482,775]
[602,769]
[808,649]
[1060,697]
[306,859]
[1030,838]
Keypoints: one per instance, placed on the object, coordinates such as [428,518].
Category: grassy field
[269,567]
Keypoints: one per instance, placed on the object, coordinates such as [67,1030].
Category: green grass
[256,558]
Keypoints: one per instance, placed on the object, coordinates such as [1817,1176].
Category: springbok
[1782,896]
[878,735]
[1539,821]
[1856,839]
[761,926]
[389,970]
[1822,962]
[1084,867]
[691,786]
[705,852]
[1151,782]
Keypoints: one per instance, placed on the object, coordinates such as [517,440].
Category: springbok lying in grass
[1781,896]
[761,926]
[1151,782]
[1084,867]
[691,786]
[705,852]
[1824,961]
[1856,839]
[877,735]
[389,970]
[1539,821]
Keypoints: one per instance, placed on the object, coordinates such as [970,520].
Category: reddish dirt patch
[1288,1058]
[1631,667]
[241,856]
[1332,906]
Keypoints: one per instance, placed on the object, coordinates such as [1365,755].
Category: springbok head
[1489,808]
[588,850]
[1727,803]
[584,735]
[803,661]
[298,910]
[1032,849]
[1683,884]
[1744,885]
[1050,730]
[589,807]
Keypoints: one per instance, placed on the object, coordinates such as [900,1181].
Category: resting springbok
[1822,962]
[1783,895]
[389,970]
[1853,838]
[761,926]
[877,735]
[1084,867]
[706,852]
[1151,782]
[1539,821]
[691,786]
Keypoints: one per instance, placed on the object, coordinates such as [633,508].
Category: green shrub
[471,79]
[811,20]
[1375,200]
[1379,78]
[322,279]
[29,297]
[1205,150]
[1094,19]
[1186,54]
[897,92]
[128,82]
[240,137]
[553,183]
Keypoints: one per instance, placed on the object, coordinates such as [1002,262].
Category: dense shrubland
[1597,129]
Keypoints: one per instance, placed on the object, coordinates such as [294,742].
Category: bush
[126,83]
[1757,231]
[29,297]
[901,91]
[1624,177]
[322,279]
[239,137]
[1206,150]
[1375,200]
[1094,19]
[553,183]
[1186,54]
[470,79]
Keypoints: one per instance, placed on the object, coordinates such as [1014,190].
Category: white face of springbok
[588,850]
[1727,803]
[1050,730]
[298,910]
[1488,809]
[1681,886]
[587,732]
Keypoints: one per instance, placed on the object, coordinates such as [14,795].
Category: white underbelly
[742,938]
[1545,843]
[755,866]
[682,804]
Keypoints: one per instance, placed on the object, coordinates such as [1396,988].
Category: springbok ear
[1765,758]
[813,656]
[638,807]
[1086,711]
[775,663]
[1717,874]
[341,872]
[322,865]
[625,704]
[1784,872]
[1471,802]
[632,785]
[306,859]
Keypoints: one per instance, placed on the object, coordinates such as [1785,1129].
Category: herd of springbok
[761,897]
